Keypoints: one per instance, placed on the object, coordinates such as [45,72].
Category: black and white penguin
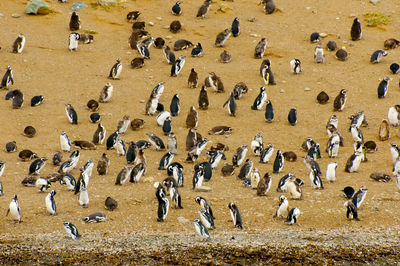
[74,22]
[167,126]
[356,134]
[269,111]
[69,181]
[73,41]
[240,88]
[198,177]
[142,144]
[282,210]
[83,197]
[292,116]
[332,146]
[295,66]
[394,68]
[319,56]
[165,161]
[193,79]
[176,9]
[176,171]
[246,169]
[348,192]
[131,153]
[215,158]
[235,214]
[162,116]
[37,100]
[106,93]
[51,203]
[222,37]
[231,105]
[119,145]
[137,172]
[315,179]
[292,216]
[71,114]
[355,31]
[197,51]
[156,141]
[71,230]
[86,38]
[260,48]
[359,197]
[377,56]
[95,217]
[143,50]
[11,146]
[260,99]
[394,115]
[19,44]
[99,135]
[111,140]
[351,212]
[43,184]
[94,117]
[8,78]
[239,155]
[169,54]
[315,37]
[394,152]
[172,144]
[268,76]
[158,89]
[133,15]
[203,98]
[353,162]
[17,98]
[116,70]
[207,219]
[163,202]
[266,153]
[174,194]
[177,66]
[201,229]
[235,27]
[175,107]
[383,87]
[1,189]
[358,119]
[278,163]
[14,209]
[205,205]
[2,167]
[340,101]
[257,144]
[203,10]
[37,165]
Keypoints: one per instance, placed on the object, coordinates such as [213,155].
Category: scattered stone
[142,101]
[251,19]
[202,189]
[149,179]
[282,91]
[159,18]
[183,220]
[323,34]
[314,11]
[151,23]
[1,15]
[254,35]
[374,1]
[307,89]
[168,37]
[15,15]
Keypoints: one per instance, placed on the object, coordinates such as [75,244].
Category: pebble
[282,91]
[16,15]
[168,37]
[314,11]
[142,101]
[151,23]
[254,35]
[183,220]
[166,27]
[374,1]
[307,89]
[1,15]
[159,18]
[251,19]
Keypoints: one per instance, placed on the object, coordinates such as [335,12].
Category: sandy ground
[46,67]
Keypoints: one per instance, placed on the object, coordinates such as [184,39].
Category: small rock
[307,89]
[159,18]
[1,15]
[168,37]
[16,15]
[142,101]
[352,15]
[337,18]
[308,8]
[151,23]
[166,27]
[282,91]
[150,77]
[251,19]
[183,220]
[149,179]
[254,35]
[323,34]
[202,189]
[314,11]
[128,52]
[374,1]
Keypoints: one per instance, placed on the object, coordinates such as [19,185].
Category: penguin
[167,127]
[17,98]
[29,131]
[51,203]
[215,158]
[7,79]
[204,205]
[377,56]
[27,155]
[175,26]
[106,93]
[137,123]
[137,63]
[257,145]
[177,66]
[220,130]
[131,153]
[269,6]
[172,144]
[295,66]
[14,209]
[158,90]
[71,114]
[29,181]
[356,134]
[103,164]
[215,82]
[151,105]
[193,80]
[292,216]
[123,175]
[119,145]
[395,152]
[340,101]
[348,192]
[315,179]
[86,38]
[353,162]
[182,44]
[235,28]
[142,144]
[380,177]
[192,118]
[143,50]
[235,214]
[391,43]
[319,56]
[1,189]
[228,170]
[203,98]
[341,54]
[207,219]
[175,105]
[283,208]
[69,181]
[260,48]
[57,158]
[163,202]
[95,217]
[99,135]
[71,230]
[394,68]
[351,211]
[175,196]
[222,37]
[278,163]
[358,119]
[176,171]
[176,9]
[359,197]
[333,146]
[201,229]
[19,44]
[290,156]
[2,167]
[43,184]
[156,141]
[383,87]
[225,57]
[191,139]
[264,185]
[266,153]
[260,99]
[84,145]
[111,140]
[198,177]
[268,76]
[315,37]
[137,172]
[394,115]
[11,146]
[74,23]
[165,161]
[355,31]
[231,105]
[269,111]
[37,100]
[115,71]
[37,165]
[197,51]
[123,124]
[322,97]
[311,164]
[73,41]
[292,117]
[133,15]
[94,117]
[169,55]
[246,169]
[370,146]
[239,155]
[201,13]
[110,204]
[331,46]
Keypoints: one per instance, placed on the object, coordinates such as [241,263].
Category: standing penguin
[152,104]
[278,163]
[51,203]
[197,51]
[319,56]
[119,145]
[292,216]
[231,105]
[236,216]
[131,153]
[269,111]
[266,153]
[267,75]
[359,197]
[203,98]
[239,155]
[377,56]
[65,142]
[166,160]
[264,185]
[207,219]
[156,141]
[331,172]
[315,180]
[235,27]
[282,210]
[99,135]
[71,230]
[176,9]
[74,22]
[201,13]
[17,98]
[106,93]
[292,116]
[201,229]
[111,140]
[123,175]
[175,107]
[71,114]
[383,87]
[103,164]
[269,6]
[340,101]
[163,202]
[19,44]
[167,126]
[37,165]
[116,70]
[260,99]
[172,144]
[193,80]
[355,31]
[169,54]
[123,124]
[205,205]
[222,37]
[7,78]
[177,66]
[351,211]
[73,41]
[14,209]
[192,118]
[353,162]
[143,50]
[260,48]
